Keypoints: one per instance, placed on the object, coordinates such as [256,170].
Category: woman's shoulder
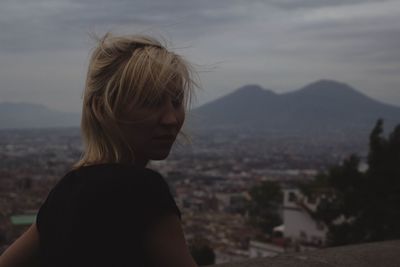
[116,181]
[110,175]
[102,169]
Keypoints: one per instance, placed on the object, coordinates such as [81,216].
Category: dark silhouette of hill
[320,107]
[27,115]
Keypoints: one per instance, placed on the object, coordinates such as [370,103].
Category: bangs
[149,74]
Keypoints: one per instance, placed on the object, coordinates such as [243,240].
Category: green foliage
[264,207]
[362,207]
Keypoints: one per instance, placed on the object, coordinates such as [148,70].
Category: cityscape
[209,175]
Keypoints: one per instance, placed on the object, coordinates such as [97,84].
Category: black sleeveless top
[98,216]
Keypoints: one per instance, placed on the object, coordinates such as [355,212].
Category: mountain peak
[329,88]
[30,115]
[251,87]
[252,90]
[326,84]
[324,105]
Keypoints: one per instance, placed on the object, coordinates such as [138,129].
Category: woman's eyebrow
[176,92]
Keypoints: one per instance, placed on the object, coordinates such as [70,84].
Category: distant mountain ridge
[28,115]
[322,106]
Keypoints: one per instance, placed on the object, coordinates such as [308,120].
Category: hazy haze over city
[278,44]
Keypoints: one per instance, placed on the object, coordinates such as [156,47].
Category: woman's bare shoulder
[24,251]
[165,244]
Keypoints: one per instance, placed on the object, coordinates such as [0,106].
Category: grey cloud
[41,26]
[301,4]
[368,40]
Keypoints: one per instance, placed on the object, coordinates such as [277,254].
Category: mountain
[27,115]
[323,106]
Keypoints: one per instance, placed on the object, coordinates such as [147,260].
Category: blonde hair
[125,72]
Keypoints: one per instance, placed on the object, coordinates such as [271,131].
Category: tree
[362,207]
[264,206]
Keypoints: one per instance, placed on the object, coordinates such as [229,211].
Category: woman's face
[154,128]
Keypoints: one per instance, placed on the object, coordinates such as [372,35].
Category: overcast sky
[279,44]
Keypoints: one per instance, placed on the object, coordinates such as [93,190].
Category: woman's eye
[177,101]
[153,103]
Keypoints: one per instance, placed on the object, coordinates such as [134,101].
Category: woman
[110,210]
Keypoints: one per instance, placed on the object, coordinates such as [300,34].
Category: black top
[98,216]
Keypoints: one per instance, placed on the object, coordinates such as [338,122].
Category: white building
[298,224]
